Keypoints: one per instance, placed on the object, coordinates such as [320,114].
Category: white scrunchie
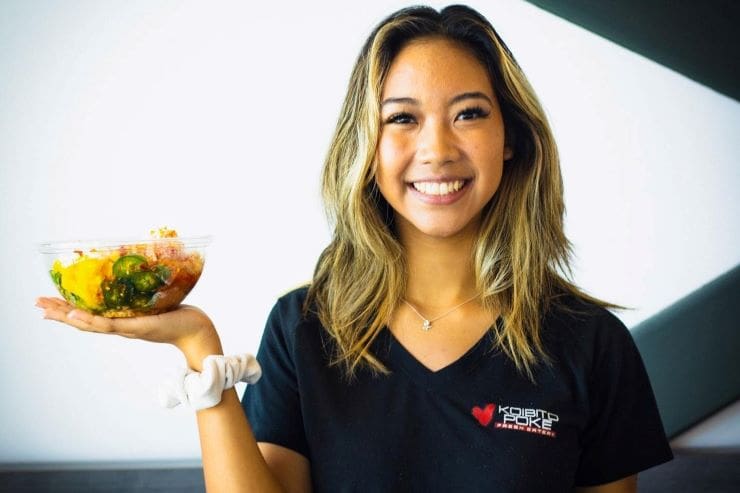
[201,390]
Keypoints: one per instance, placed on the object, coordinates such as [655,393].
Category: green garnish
[117,294]
[127,265]
[145,282]
[57,278]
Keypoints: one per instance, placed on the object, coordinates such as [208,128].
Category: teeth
[436,188]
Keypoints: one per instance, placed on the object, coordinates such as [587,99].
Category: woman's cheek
[392,151]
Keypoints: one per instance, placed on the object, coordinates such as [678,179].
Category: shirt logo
[485,415]
[529,420]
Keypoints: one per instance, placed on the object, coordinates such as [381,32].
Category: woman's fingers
[59,303]
[61,314]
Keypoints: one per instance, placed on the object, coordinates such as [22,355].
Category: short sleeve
[272,405]
[624,434]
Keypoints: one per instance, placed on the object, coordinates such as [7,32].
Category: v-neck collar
[399,358]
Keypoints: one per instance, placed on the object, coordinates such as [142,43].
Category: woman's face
[441,151]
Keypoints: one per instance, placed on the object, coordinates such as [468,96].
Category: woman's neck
[440,270]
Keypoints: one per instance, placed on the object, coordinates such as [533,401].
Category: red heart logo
[484,416]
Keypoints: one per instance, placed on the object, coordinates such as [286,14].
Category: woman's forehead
[435,65]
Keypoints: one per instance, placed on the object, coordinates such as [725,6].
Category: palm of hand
[178,327]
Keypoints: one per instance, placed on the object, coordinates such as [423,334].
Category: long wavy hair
[521,256]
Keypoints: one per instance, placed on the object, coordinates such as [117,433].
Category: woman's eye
[472,113]
[400,118]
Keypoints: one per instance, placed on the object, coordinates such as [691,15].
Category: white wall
[213,117]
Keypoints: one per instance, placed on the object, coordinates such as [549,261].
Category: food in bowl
[127,278]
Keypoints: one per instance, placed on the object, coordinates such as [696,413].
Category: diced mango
[84,276]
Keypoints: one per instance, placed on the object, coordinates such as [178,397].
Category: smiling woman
[439,346]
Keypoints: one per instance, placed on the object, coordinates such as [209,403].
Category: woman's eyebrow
[399,100]
[470,95]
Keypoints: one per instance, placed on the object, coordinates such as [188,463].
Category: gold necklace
[427,323]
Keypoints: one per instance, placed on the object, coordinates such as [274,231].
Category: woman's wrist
[201,344]
[204,388]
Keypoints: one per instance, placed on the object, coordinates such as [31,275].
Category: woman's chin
[441,232]
[427,227]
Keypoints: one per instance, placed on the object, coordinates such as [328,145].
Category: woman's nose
[436,144]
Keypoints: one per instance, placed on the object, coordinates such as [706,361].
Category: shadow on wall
[691,350]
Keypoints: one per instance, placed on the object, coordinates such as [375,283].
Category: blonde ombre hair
[521,257]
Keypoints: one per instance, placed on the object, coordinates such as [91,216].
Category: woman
[439,346]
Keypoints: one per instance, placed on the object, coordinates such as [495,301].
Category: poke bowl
[126,278]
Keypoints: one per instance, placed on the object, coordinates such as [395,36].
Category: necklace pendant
[426,325]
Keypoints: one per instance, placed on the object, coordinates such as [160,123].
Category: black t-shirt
[475,425]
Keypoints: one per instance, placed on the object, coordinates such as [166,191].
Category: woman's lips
[439,192]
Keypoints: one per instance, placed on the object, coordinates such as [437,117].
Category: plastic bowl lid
[53,247]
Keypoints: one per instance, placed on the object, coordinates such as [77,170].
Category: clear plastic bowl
[125,278]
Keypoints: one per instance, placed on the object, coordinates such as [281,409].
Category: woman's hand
[188,328]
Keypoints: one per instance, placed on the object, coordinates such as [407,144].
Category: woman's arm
[232,459]
[624,485]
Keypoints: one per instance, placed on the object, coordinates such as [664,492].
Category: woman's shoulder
[293,300]
[583,314]
[586,326]
[291,316]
